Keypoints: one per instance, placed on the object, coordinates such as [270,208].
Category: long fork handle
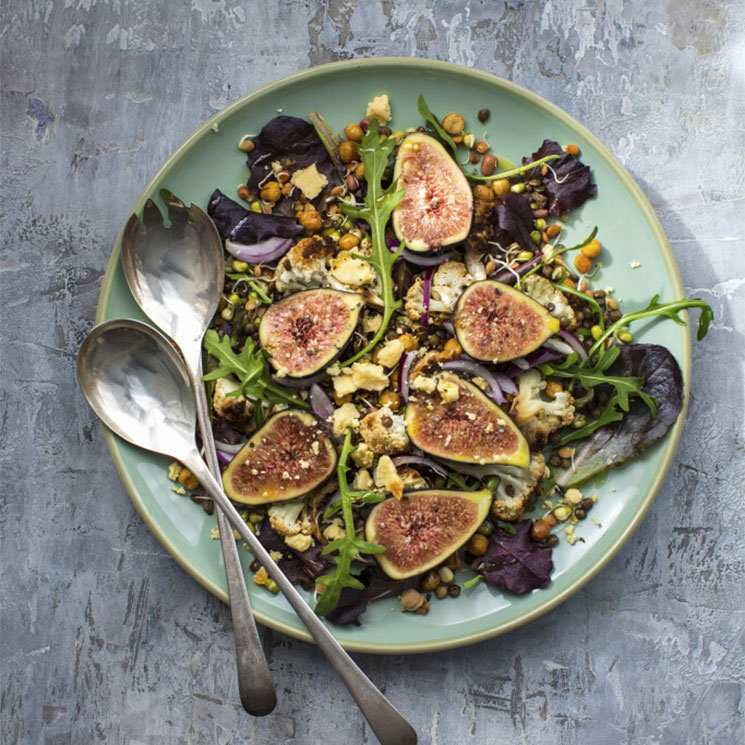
[255,685]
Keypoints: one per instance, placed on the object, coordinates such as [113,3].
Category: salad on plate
[412,377]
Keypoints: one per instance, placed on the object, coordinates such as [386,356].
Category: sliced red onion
[559,346]
[402,460]
[522,363]
[321,403]
[574,342]
[473,368]
[427,290]
[474,469]
[533,359]
[403,375]
[392,243]
[268,250]
[289,382]
[224,458]
[422,260]
[505,383]
[226,447]
[449,326]
[507,277]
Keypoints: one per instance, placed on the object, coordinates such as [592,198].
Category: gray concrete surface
[103,638]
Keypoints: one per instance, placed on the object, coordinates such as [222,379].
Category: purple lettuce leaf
[515,221]
[294,144]
[568,181]
[300,567]
[240,225]
[515,563]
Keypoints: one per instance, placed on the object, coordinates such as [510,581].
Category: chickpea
[271,192]
[310,220]
[482,146]
[478,544]
[483,193]
[359,172]
[353,132]
[592,249]
[347,151]
[341,400]
[409,341]
[501,186]
[582,264]
[348,241]
[244,193]
[187,479]
[540,530]
[454,123]
[391,399]
[452,349]
[553,230]
[553,387]
[454,562]
[572,150]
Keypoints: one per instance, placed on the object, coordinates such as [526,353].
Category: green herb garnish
[252,283]
[432,120]
[473,581]
[251,368]
[345,548]
[376,211]
[507,527]
[558,252]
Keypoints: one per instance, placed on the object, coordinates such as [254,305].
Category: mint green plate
[629,232]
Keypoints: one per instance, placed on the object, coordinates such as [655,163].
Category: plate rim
[641,201]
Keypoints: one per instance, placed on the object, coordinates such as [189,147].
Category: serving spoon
[137,384]
[176,276]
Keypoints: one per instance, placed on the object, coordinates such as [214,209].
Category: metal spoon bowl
[137,384]
[176,276]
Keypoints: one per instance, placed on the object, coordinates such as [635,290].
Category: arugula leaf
[670,310]
[358,497]
[432,120]
[376,211]
[507,527]
[609,415]
[251,368]
[345,548]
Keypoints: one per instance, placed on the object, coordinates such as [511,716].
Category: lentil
[430,581]
[446,575]
[540,530]
[353,132]
[441,592]
[454,591]
[552,540]
[483,193]
[488,165]
[501,186]
[553,230]
[478,544]
[348,240]
[347,151]
[454,562]
[518,188]
[483,115]
[246,144]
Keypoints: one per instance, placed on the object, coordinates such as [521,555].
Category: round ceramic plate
[628,230]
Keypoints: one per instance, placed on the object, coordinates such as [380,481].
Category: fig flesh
[437,207]
[288,457]
[308,330]
[497,323]
[469,429]
[424,528]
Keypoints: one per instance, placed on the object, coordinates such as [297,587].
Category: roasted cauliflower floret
[516,486]
[537,418]
[541,290]
[384,432]
[305,265]
[290,517]
[236,409]
[448,283]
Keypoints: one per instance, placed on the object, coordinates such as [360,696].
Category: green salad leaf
[376,211]
[346,548]
[251,368]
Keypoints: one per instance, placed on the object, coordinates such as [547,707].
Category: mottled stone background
[103,637]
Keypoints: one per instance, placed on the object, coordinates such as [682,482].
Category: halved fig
[437,207]
[288,457]
[470,428]
[308,330]
[424,528]
[497,323]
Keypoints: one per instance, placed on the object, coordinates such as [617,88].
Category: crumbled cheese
[634,264]
[173,471]
[309,181]
[179,490]
[448,391]
[344,418]
[215,534]
[481,383]
[597,522]
[387,476]
[424,383]
[276,555]
[360,375]
[363,456]
[572,539]
[334,530]
[573,495]
[350,271]
[379,108]
[371,322]
[390,353]
[261,576]
[362,479]
[299,542]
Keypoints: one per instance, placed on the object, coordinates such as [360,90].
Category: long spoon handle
[389,726]
[255,685]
